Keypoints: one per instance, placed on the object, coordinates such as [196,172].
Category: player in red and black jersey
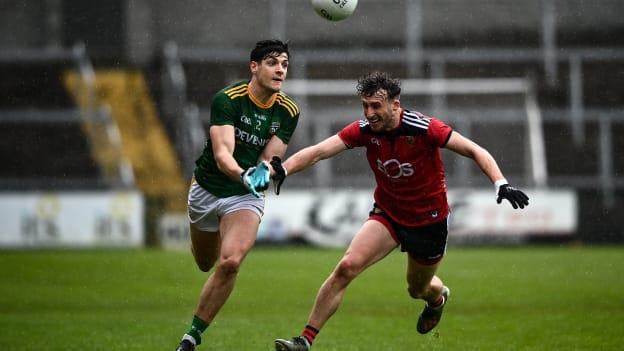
[411,208]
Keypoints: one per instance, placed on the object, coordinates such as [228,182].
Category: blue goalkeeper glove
[256,179]
[515,197]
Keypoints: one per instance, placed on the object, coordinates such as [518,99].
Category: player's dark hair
[266,48]
[370,83]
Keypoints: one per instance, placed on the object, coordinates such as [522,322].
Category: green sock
[197,328]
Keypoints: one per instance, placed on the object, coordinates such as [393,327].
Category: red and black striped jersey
[408,169]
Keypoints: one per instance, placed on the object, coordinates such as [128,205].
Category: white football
[334,10]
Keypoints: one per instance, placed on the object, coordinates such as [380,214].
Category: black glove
[516,197]
[280,173]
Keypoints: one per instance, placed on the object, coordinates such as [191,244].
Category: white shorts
[205,209]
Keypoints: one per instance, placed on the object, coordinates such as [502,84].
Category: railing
[536,174]
[103,134]
[438,59]
[182,115]
[576,114]
[36,116]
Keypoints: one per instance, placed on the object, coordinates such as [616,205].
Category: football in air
[334,10]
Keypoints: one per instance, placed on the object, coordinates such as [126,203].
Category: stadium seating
[451,39]
[43,144]
[38,151]
[33,85]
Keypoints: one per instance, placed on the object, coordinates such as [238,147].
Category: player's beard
[381,123]
[376,124]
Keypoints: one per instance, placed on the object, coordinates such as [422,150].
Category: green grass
[535,298]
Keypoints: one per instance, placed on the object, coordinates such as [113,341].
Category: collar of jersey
[258,102]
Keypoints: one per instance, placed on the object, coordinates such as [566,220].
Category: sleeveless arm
[481,156]
[312,154]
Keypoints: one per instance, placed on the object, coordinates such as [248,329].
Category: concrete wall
[150,23]
[383,23]
[21,24]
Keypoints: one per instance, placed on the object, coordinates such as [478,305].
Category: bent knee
[347,269]
[229,266]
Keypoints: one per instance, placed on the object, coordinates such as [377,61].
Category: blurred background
[104,108]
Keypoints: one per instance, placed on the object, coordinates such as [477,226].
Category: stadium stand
[577,82]
[571,50]
[145,143]
[42,150]
[33,85]
[43,144]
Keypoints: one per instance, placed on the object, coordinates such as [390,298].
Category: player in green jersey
[250,122]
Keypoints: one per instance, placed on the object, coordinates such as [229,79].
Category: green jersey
[254,125]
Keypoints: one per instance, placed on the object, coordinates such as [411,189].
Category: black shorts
[425,244]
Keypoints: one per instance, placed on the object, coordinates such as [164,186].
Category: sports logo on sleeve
[364,126]
[415,123]
[416,119]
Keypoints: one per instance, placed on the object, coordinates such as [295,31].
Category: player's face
[271,72]
[380,112]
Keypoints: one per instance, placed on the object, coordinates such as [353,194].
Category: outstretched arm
[468,148]
[310,155]
[486,162]
[275,147]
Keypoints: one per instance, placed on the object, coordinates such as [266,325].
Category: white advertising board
[550,212]
[71,219]
[331,218]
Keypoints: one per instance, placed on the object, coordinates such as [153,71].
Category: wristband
[498,184]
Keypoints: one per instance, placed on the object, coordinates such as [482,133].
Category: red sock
[310,333]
